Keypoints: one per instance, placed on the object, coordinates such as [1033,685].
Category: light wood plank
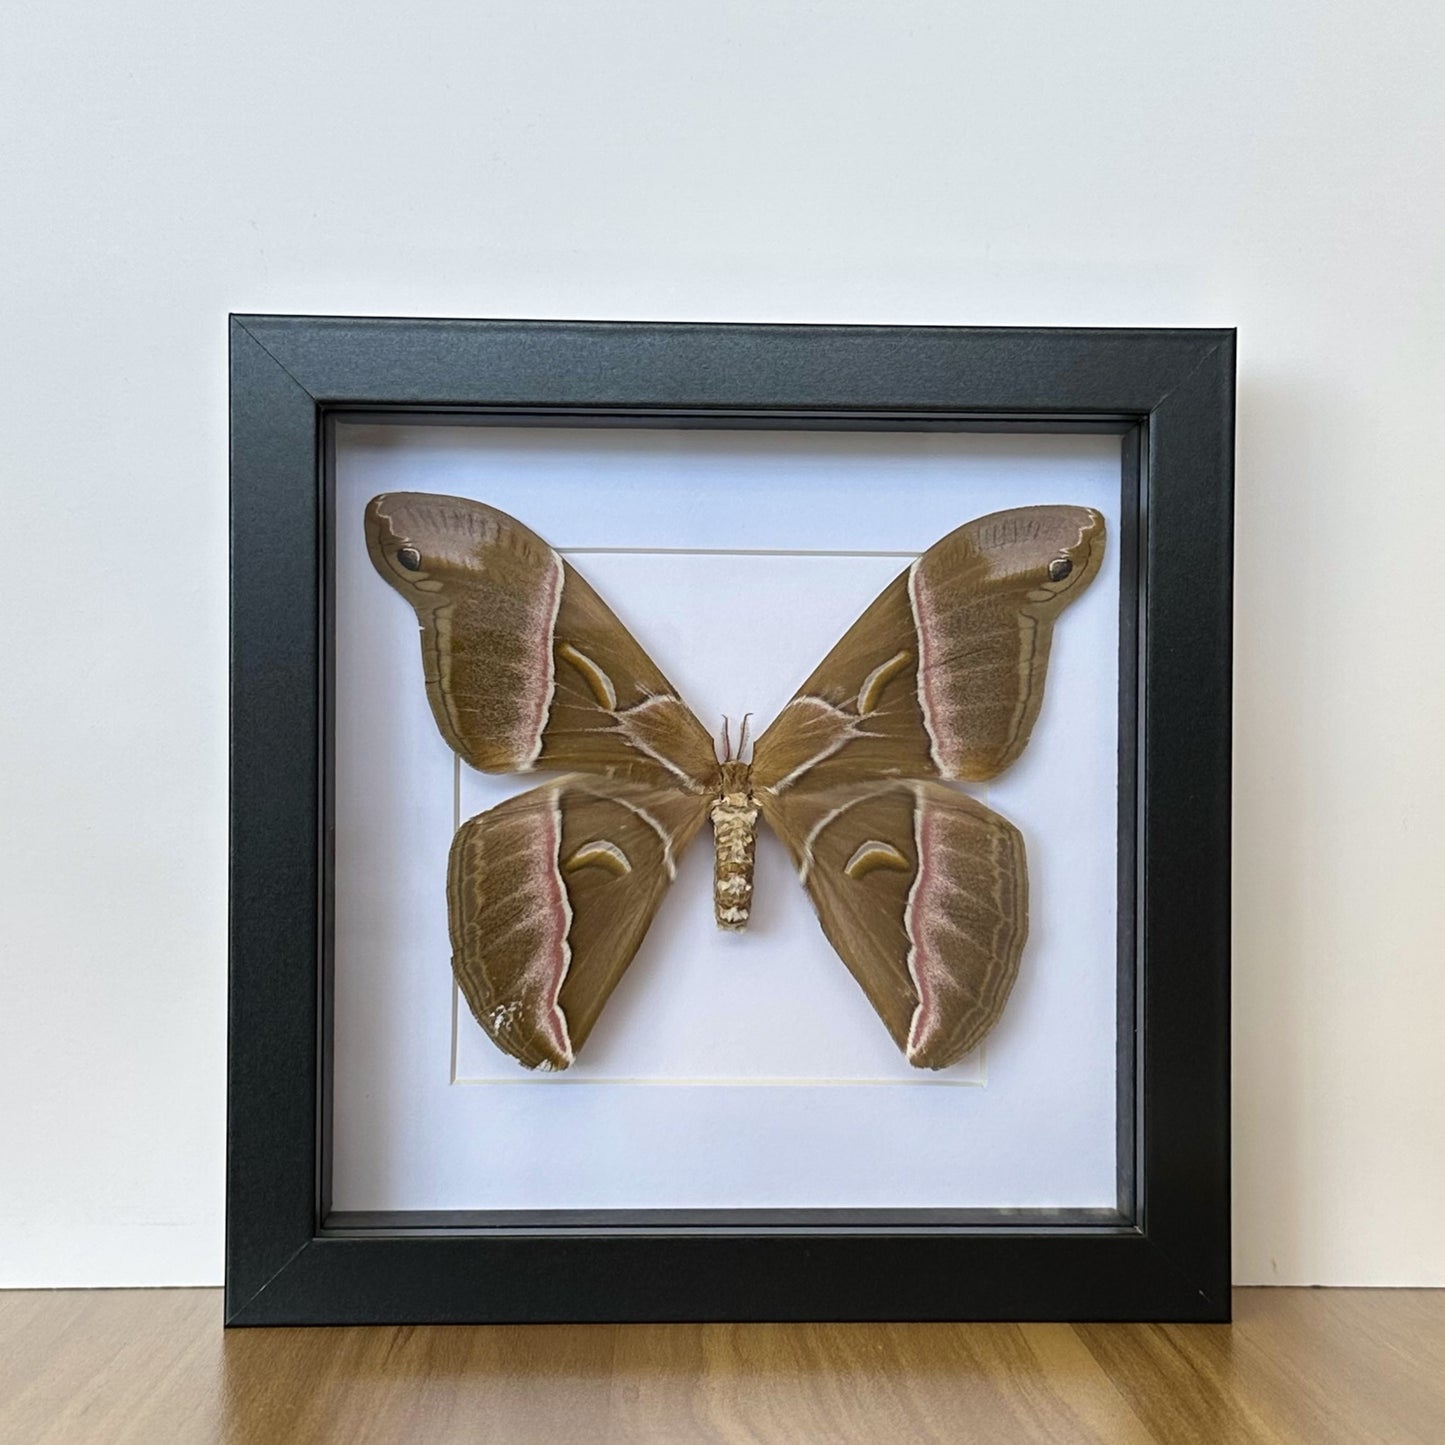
[1296,1365]
[1315,1366]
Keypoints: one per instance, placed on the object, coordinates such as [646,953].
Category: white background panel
[726,1070]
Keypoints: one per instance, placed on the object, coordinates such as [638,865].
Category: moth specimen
[922,890]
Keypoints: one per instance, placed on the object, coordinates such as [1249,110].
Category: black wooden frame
[1162,1254]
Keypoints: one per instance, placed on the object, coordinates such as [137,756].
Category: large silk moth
[921,889]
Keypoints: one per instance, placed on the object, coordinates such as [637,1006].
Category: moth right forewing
[943,675]
[858,714]
[985,599]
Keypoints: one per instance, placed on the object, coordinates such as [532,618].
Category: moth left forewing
[525,665]
[923,893]
[549,896]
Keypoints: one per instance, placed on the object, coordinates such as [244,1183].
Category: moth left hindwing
[550,895]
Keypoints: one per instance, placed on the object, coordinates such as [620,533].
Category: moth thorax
[735,831]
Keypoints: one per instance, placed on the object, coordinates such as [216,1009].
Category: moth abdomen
[735,833]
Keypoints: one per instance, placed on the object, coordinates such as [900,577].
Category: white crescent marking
[600,853]
[597,679]
[875,853]
[876,680]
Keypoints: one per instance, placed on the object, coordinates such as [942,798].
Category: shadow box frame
[1163,1253]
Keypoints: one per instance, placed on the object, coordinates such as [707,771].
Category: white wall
[1275,166]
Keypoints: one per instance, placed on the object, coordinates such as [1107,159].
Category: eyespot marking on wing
[599,853]
[874,854]
[879,678]
[595,678]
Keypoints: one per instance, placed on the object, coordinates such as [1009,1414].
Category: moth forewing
[525,665]
[983,603]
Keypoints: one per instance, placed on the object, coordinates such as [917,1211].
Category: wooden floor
[154,1366]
